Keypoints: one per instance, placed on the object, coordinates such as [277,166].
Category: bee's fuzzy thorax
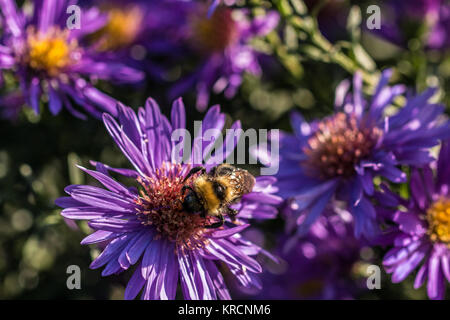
[204,187]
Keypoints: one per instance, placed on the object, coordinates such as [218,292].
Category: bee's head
[191,203]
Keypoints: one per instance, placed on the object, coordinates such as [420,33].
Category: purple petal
[435,285]
[134,285]
[107,181]
[55,103]
[115,225]
[188,284]
[218,281]
[421,276]
[228,232]
[99,236]
[101,198]
[135,252]
[111,251]
[410,223]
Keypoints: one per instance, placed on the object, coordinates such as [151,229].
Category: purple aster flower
[320,265]
[148,227]
[222,41]
[48,58]
[403,18]
[337,158]
[421,236]
[138,31]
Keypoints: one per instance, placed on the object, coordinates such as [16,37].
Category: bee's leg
[232,213]
[194,171]
[217,224]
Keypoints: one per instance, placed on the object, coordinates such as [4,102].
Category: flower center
[49,52]
[438,217]
[339,143]
[160,206]
[121,29]
[216,33]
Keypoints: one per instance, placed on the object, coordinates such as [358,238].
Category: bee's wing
[247,181]
[242,182]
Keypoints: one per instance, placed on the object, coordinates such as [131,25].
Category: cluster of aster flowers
[339,161]
[50,60]
[222,40]
[123,43]
[336,185]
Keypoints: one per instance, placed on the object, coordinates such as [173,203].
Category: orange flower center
[216,33]
[438,217]
[50,52]
[121,30]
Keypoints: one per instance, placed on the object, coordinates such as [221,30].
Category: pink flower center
[338,145]
[161,206]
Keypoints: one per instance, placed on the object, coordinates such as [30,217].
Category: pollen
[160,206]
[340,143]
[216,33]
[50,52]
[438,217]
[121,30]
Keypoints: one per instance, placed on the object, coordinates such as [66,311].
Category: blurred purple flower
[421,237]
[222,40]
[403,19]
[149,227]
[331,18]
[48,58]
[338,157]
[138,32]
[320,265]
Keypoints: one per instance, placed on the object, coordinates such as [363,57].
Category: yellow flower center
[121,30]
[50,52]
[438,216]
[216,33]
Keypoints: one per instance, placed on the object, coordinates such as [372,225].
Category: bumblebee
[211,194]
